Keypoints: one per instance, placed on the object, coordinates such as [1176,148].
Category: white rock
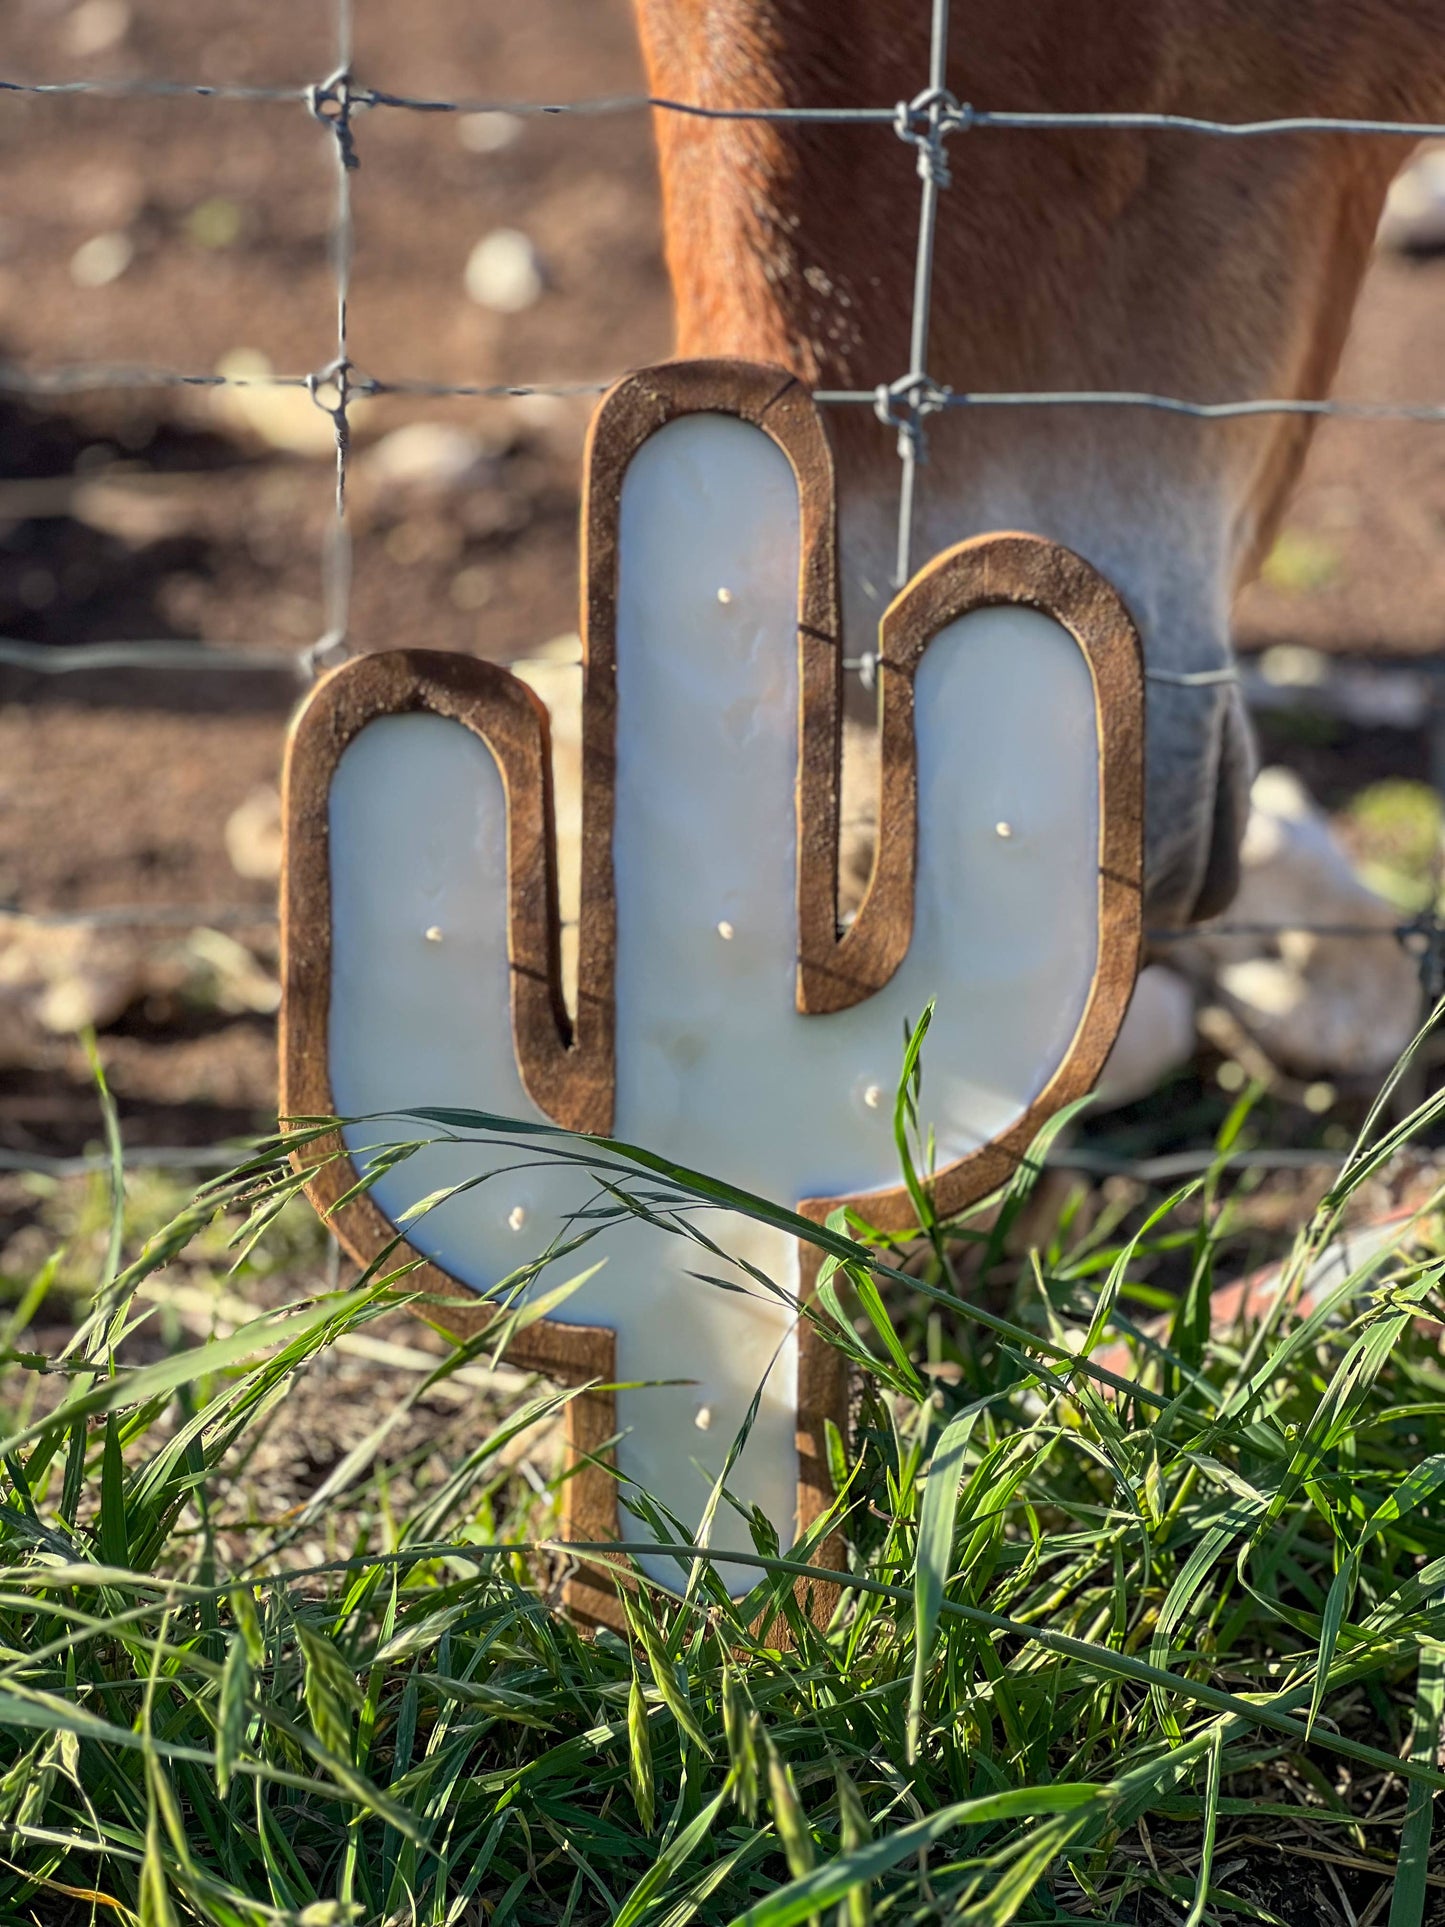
[102,259]
[488,133]
[253,835]
[95,26]
[64,977]
[432,456]
[1318,1006]
[1156,1038]
[504,272]
[132,511]
[281,418]
[566,648]
[473,587]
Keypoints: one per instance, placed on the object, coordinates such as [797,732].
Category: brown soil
[116,789]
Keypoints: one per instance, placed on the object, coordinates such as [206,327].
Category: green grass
[1161,1639]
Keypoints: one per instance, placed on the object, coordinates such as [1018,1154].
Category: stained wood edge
[777,403]
[632,412]
[512,722]
[572,1077]
[570,1073]
[1030,572]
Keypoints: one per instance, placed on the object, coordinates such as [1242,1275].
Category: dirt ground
[177,513]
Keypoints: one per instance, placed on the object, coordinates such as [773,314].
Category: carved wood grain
[512,722]
[1024,571]
[570,1070]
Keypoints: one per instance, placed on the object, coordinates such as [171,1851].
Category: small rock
[473,587]
[253,835]
[221,974]
[504,272]
[547,417]
[281,418]
[133,515]
[1156,1037]
[488,133]
[434,457]
[1318,1006]
[64,977]
[102,259]
[96,26]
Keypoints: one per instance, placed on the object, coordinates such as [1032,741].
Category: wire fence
[905,403]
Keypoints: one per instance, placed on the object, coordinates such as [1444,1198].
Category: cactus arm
[722,1017]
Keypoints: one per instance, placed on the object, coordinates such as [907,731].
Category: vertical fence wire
[332,389]
[932,105]
[926,122]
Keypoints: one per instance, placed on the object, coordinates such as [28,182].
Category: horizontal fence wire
[192,655]
[932,118]
[927,122]
[182,656]
[136,1157]
[962,118]
[176,657]
[40,384]
[134,916]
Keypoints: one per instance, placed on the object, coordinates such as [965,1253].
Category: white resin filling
[716,1068]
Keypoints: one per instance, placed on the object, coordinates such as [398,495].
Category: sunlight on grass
[1136,1613]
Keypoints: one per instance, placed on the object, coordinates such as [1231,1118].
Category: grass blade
[1407,1903]
[934,1556]
[837,1878]
[231,1719]
[1211,1827]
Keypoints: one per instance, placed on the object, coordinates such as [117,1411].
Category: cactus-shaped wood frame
[568,1067]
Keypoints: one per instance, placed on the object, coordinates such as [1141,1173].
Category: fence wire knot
[926,122]
[332,101]
[906,404]
[333,389]
[327,652]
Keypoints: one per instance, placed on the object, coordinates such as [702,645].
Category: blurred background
[191,234]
